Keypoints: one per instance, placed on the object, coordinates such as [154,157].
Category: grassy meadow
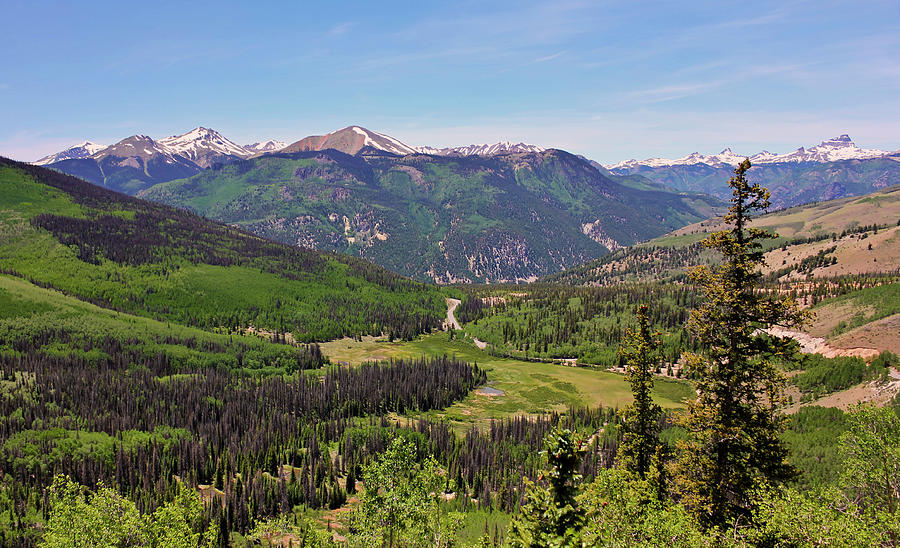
[528,387]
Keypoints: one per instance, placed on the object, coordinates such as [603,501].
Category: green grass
[27,310]
[22,197]
[675,240]
[528,387]
[473,526]
[866,305]
[192,271]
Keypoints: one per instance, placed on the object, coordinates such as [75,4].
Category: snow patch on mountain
[831,150]
[200,143]
[504,147]
[75,152]
[383,142]
[266,146]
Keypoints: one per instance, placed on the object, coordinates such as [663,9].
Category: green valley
[249,391]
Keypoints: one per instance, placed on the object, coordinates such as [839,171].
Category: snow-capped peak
[200,144]
[831,150]
[503,147]
[382,141]
[74,152]
[841,148]
[136,146]
[694,158]
[266,146]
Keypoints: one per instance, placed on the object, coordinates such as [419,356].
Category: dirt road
[451,322]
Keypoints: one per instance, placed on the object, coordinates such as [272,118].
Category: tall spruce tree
[640,420]
[551,516]
[734,422]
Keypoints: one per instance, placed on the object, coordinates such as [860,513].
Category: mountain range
[488,213]
[831,150]
[202,144]
[138,162]
[835,168]
[449,219]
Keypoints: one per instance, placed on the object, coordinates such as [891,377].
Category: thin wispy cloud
[548,57]
[732,76]
[672,92]
[341,28]
[386,59]
[513,28]
[631,76]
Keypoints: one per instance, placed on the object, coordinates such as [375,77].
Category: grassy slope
[250,280]
[867,318]
[669,255]
[835,216]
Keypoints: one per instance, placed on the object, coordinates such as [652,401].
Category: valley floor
[525,387]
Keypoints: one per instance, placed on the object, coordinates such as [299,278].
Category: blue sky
[611,80]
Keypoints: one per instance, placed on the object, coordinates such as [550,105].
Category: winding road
[451,319]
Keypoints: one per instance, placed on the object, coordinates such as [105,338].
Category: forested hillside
[160,262]
[143,405]
[509,217]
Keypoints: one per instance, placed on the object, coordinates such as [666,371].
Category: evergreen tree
[640,421]
[734,422]
[551,516]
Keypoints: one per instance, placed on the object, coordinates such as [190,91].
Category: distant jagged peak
[842,140]
[203,145]
[266,146]
[830,150]
[351,140]
[83,149]
[502,147]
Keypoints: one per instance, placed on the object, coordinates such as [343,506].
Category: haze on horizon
[608,80]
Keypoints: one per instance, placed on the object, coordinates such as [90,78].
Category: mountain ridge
[502,147]
[261,147]
[830,150]
[445,219]
[204,146]
[83,149]
[835,168]
[846,236]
